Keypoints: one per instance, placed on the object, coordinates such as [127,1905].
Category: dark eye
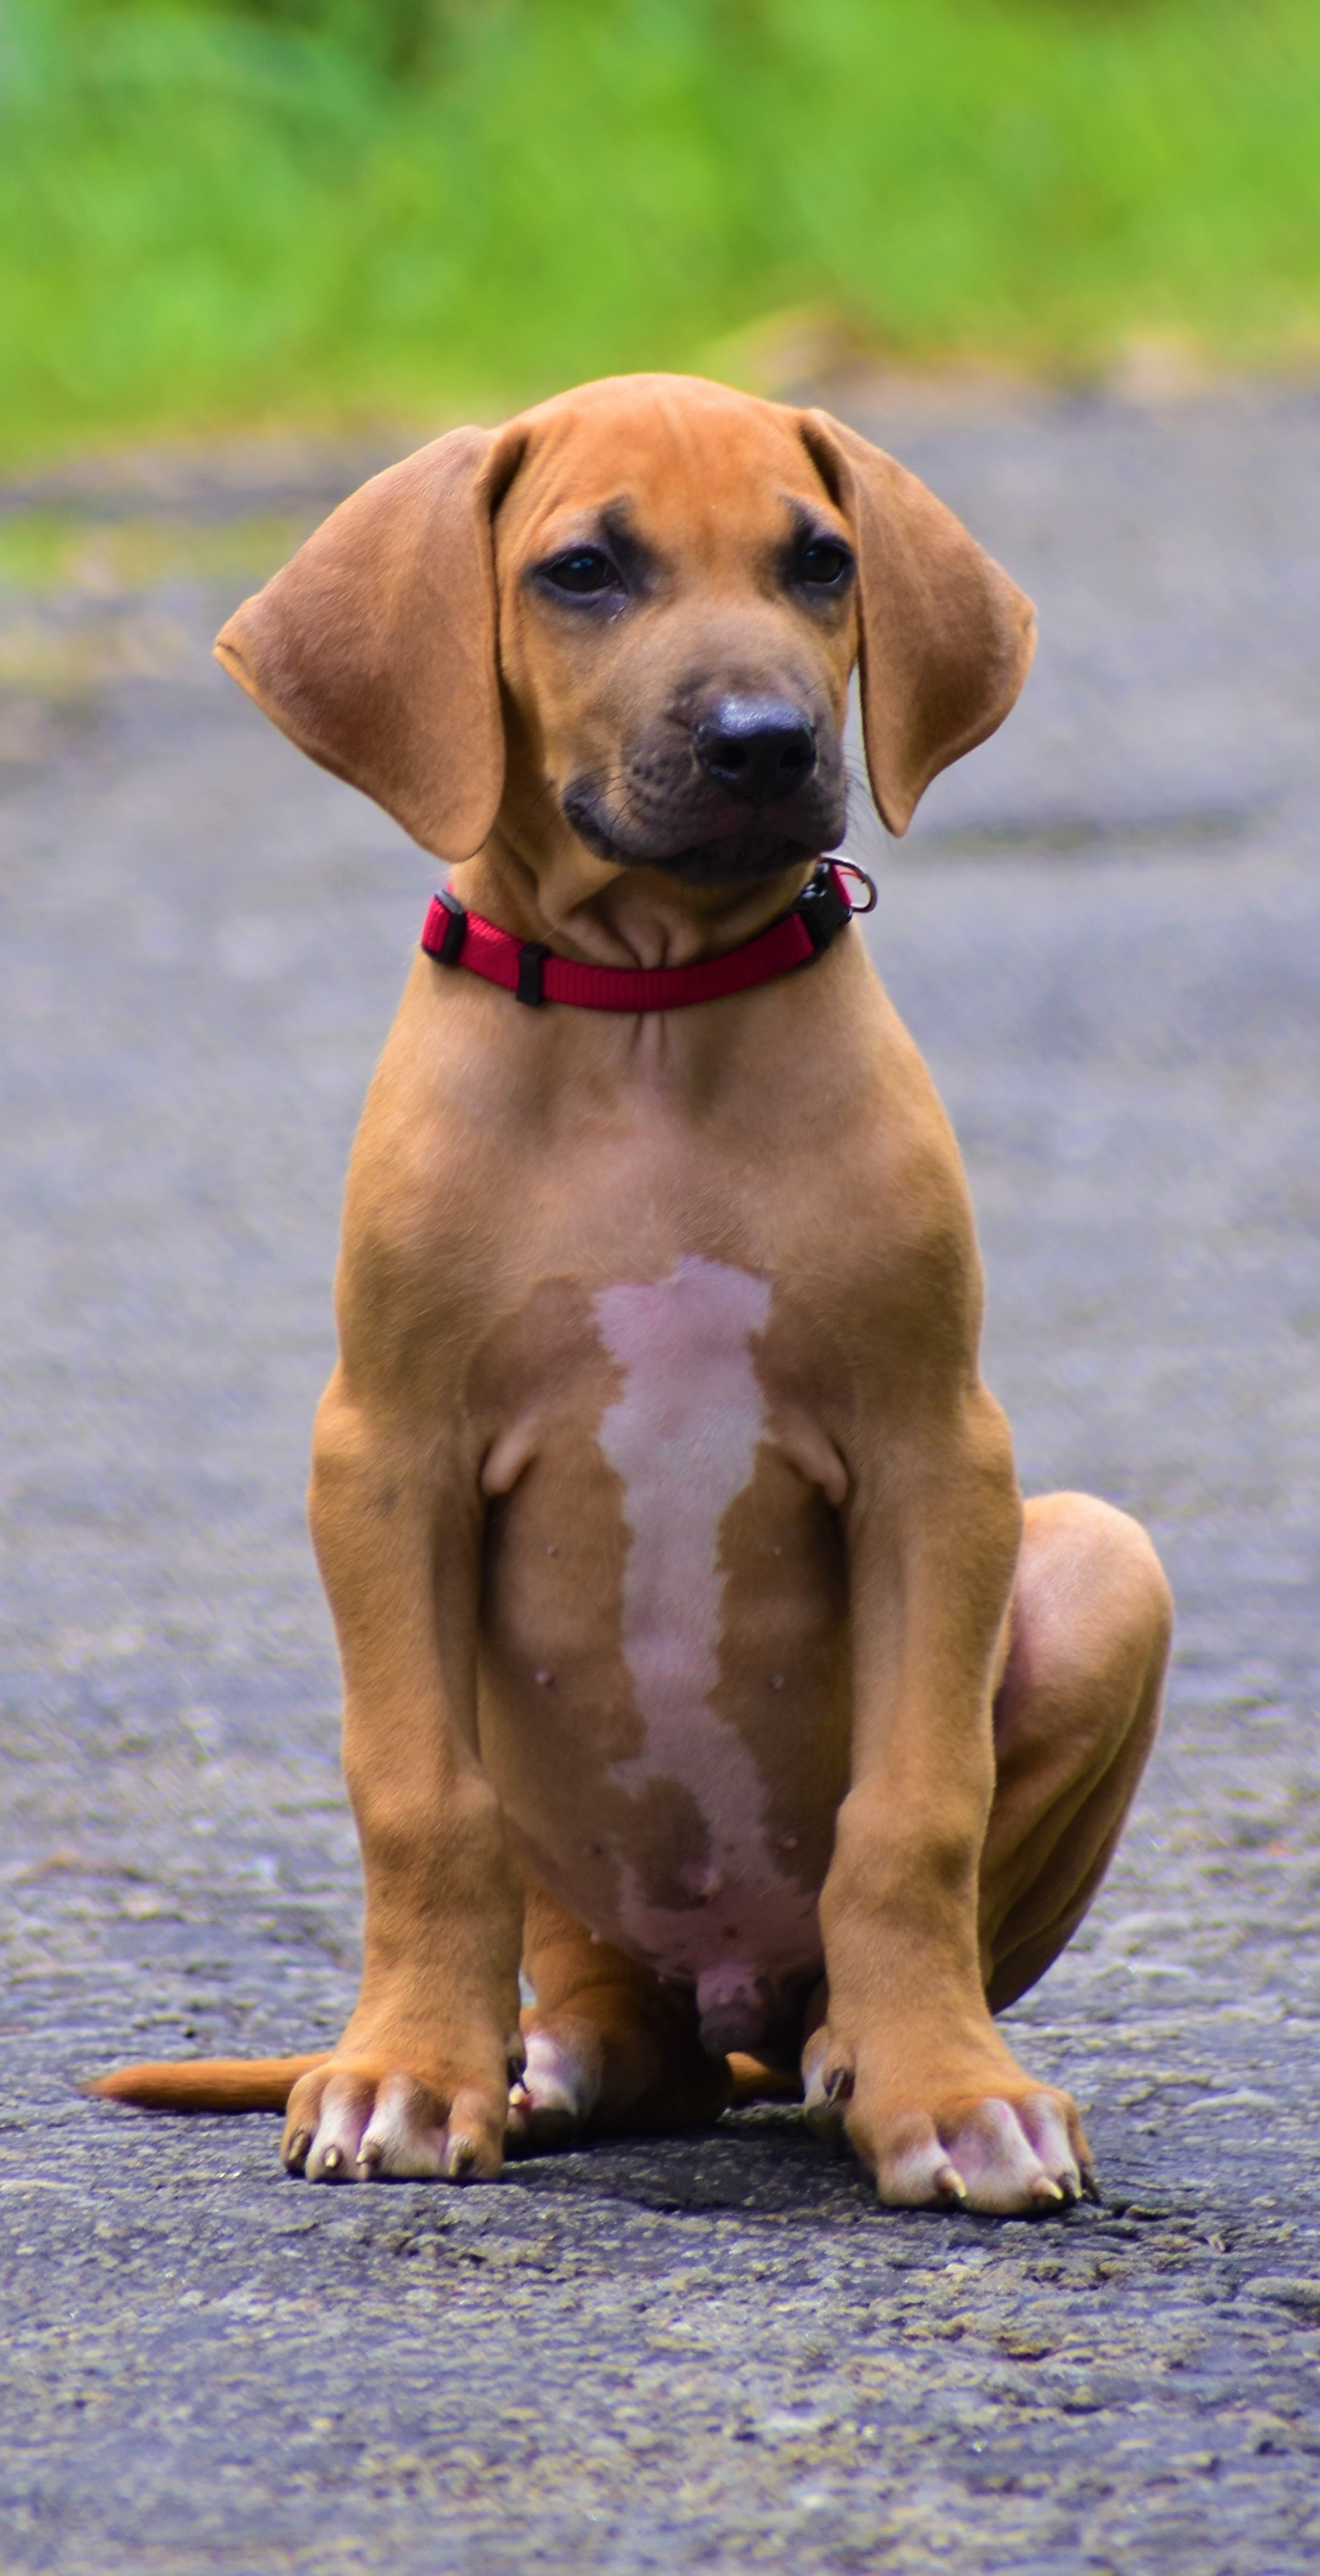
[583,572]
[823,566]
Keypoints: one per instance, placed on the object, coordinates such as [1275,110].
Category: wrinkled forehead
[692,469]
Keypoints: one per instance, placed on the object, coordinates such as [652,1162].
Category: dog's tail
[758,2079]
[206,2083]
[265,2083]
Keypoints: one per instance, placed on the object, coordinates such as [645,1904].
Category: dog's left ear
[946,637]
[375,648]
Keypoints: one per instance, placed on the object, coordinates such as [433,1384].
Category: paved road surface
[713,2354]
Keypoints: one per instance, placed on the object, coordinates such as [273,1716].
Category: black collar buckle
[451,946]
[822,910]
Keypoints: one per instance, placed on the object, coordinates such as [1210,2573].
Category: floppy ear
[946,637]
[375,648]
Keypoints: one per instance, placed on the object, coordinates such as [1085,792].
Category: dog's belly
[665,1704]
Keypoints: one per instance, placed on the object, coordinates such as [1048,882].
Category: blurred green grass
[316,211]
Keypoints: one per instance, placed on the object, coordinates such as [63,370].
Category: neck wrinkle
[607,915]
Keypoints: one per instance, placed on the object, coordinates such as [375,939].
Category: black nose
[756,748]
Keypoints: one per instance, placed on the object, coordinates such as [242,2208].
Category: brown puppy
[697,1653]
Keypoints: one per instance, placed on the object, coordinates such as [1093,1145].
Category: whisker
[545,789]
[625,811]
[863,811]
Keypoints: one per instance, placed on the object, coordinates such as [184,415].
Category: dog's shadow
[762,2162]
[764,2166]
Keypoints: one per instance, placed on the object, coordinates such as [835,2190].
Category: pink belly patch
[682,1439]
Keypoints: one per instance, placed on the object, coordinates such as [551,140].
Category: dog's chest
[681,1436]
[665,1603]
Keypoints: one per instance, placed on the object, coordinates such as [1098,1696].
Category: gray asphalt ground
[713,2353]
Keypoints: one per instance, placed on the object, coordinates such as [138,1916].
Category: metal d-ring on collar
[849,868]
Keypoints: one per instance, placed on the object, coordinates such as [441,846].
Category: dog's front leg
[909,2058]
[419,2083]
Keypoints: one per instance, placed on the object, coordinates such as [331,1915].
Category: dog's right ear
[375,648]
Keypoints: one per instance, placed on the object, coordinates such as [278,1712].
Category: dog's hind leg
[611,2049]
[1075,1717]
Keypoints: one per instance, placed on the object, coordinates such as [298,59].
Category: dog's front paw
[355,2122]
[1005,2146]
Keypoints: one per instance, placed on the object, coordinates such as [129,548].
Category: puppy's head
[630,616]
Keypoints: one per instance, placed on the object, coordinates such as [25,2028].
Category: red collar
[534,974]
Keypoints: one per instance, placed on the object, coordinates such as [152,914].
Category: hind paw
[550,2102]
